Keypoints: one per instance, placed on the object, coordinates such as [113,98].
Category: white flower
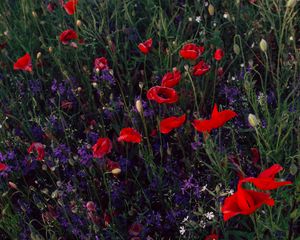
[210,215]
[198,19]
[204,188]
[185,219]
[231,192]
[182,230]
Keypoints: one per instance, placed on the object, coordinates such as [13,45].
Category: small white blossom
[210,215]
[198,19]
[182,230]
[185,219]
[204,188]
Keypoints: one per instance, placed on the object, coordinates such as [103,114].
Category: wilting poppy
[23,63]
[171,79]
[219,54]
[244,202]
[168,124]
[129,135]
[135,229]
[145,47]
[102,147]
[100,64]
[255,156]
[3,167]
[266,179]
[113,167]
[212,237]
[70,6]
[200,68]
[39,148]
[218,119]
[162,94]
[191,51]
[67,35]
[91,206]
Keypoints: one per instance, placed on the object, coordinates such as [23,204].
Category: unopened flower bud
[211,10]
[39,55]
[34,14]
[12,185]
[116,171]
[236,49]
[78,23]
[291,3]
[141,84]
[50,49]
[253,121]
[263,45]
[139,106]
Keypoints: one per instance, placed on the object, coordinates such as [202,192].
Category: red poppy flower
[212,237]
[191,51]
[3,167]
[266,179]
[168,124]
[113,167]
[129,135]
[67,35]
[145,46]
[70,6]
[100,64]
[218,119]
[23,63]
[162,94]
[244,202]
[219,54]
[39,148]
[102,147]
[200,68]
[171,79]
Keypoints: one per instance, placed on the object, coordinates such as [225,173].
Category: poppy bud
[211,10]
[291,3]
[50,49]
[34,14]
[78,23]
[12,185]
[186,67]
[263,45]
[253,121]
[39,55]
[141,84]
[139,106]
[236,49]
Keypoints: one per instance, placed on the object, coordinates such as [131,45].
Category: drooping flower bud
[253,121]
[139,106]
[263,45]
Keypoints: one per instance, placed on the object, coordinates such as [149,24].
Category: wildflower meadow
[149,119]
